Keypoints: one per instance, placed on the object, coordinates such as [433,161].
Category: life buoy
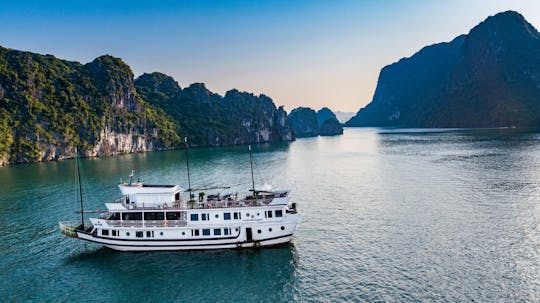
[165,223]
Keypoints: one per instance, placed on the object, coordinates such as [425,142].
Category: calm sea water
[388,215]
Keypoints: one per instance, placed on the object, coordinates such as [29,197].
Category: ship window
[217,216]
[270,229]
[258,231]
[104,232]
[127,233]
[114,233]
[236,216]
[148,234]
[183,233]
[194,232]
[206,232]
[194,217]
[226,216]
[173,215]
[279,213]
[114,216]
[226,231]
[203,217]
[217,232]
[269,214]
[283,228]
[139,234]
[132,216]
[154,216]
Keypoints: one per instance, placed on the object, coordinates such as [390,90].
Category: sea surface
[388,215]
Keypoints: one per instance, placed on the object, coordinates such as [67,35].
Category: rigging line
[259,172]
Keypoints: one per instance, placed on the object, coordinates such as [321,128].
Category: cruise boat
[151,217]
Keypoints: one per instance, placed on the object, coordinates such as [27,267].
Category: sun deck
[208,203]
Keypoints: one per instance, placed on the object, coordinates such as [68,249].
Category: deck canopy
[115,207]
[148,195]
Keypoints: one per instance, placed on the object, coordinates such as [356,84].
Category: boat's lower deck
[240,235]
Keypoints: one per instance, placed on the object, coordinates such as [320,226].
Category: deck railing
[147,223]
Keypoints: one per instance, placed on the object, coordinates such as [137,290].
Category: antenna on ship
[187,164]
[80,186]
[251,165]
[131,176]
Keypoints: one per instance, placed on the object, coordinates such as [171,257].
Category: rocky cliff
[50,106]
[487,78]
[209,119]
[305,122]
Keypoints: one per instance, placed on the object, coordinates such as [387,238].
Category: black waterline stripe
[211,244]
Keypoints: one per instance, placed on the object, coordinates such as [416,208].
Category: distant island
[49,106]
[305,122]
[487,78]
[344,116]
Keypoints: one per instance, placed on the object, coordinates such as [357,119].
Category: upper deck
[140,196]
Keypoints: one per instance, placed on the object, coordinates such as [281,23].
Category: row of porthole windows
[138,234]
[269,229]
[268,214]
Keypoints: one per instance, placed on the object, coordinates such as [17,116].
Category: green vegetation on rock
[209,119]
[308,123]
[50,106]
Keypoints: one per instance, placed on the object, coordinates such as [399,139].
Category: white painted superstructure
[156,217]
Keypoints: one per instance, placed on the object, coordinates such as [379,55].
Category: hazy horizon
[315,54]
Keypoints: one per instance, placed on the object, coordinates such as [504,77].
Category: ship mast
[187,164]
[252,178]
[80,186]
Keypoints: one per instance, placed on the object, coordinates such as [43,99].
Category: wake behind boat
[156,217]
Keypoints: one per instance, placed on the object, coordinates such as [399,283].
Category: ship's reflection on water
[191,276]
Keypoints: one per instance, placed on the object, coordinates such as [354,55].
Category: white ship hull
[237,240]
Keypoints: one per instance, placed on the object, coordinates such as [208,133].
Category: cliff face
[304,122]
[330,127]
[308,123]
[209,119]
[487,78]
[50,106]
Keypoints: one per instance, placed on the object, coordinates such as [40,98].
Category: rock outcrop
[305,122]
[487,78]
[209,119]
[50,106]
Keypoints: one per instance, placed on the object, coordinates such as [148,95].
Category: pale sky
[300,53]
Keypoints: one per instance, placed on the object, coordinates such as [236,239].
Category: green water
[387,215]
